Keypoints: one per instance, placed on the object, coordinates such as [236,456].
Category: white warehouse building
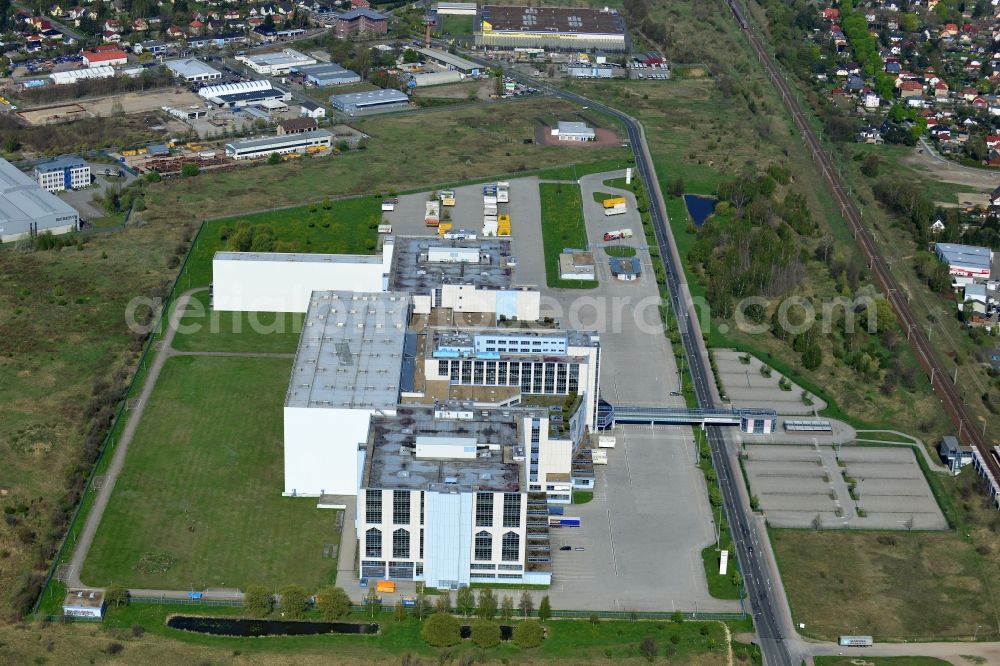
[276,64]
[280,282]
[251,149]
[193,70]
[347,368]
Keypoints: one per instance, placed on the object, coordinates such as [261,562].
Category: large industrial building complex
[556,28]
[444,434]
[26,209]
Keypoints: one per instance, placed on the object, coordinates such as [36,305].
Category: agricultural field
[198,503]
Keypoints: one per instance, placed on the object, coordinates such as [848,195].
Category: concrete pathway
[134,416]
[86,537]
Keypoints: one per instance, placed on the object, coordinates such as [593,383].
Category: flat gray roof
[383,96]
[350,353]
[449,59]
[283,57]
[391,461]
[191,67]
[412,273]
[60,163]
[323,70]
[968,255]
[301,257]
[574,127]
[277,141]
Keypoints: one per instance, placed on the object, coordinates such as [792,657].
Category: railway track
[930,362]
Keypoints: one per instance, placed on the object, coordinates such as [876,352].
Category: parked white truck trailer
[619,209]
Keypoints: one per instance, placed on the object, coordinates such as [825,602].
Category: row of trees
[293,601]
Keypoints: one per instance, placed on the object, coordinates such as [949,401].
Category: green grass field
[347,226]
[201,488]
[562,227]
[203,329]
[619,251]
[457,26]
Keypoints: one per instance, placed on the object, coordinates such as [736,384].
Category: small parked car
[566,548]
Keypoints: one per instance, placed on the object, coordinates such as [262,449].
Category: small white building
[577,265]
[439,254]
[312,109]
[280,282]
[573,131]
[84,603]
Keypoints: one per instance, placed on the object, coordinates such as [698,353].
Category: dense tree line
[749,248]
[77,136]
[149,79]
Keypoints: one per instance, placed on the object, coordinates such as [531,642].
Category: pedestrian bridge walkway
[754,420]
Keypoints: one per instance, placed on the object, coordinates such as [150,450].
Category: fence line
[108,443]
[389,608]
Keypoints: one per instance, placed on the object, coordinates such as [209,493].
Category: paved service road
[766,597]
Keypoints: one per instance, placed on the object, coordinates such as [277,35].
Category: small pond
[506,631]
[699,208]
[225,626]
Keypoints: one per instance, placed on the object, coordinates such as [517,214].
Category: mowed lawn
[890,585]
[201,488]
[203,329]
[562,228]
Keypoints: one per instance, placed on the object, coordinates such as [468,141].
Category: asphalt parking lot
[796,485]
[643,532]
[747,387]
